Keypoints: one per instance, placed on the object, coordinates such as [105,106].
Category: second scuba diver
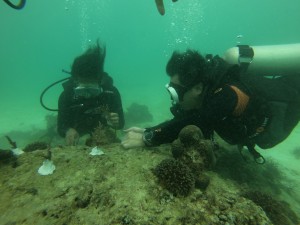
[89,98]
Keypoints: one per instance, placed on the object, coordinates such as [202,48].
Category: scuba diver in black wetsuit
[242,109]
[89,98]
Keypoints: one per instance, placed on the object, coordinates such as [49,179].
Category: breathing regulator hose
[46,89]
[18,6]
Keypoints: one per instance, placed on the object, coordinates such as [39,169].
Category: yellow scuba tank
[269,60]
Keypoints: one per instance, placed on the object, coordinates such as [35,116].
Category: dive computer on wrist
[147,137]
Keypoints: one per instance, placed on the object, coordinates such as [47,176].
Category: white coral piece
[47,168]
[96,151]
[17,151]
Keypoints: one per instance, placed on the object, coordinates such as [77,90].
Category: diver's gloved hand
[72,137]
[113,119]
[133,138]
[160,6]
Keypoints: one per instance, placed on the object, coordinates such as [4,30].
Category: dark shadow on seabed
[267,185]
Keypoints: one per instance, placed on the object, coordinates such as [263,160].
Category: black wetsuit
[272,111]
[85,114]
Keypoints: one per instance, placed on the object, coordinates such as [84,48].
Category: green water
[36,43]
[43,38]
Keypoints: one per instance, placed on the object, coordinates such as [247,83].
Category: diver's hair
[190,67]
[90,64]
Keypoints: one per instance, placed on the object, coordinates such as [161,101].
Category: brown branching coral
[193,156]
[191,151]
[102,135]
[175,176]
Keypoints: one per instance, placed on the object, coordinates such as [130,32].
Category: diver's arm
[220,105]
[163,133]
[168,131]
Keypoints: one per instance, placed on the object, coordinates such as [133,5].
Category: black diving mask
[87,90]
[176,92]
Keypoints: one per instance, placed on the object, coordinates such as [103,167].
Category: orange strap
[242,101]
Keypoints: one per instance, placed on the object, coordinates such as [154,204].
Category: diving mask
[176,91]
[87,90]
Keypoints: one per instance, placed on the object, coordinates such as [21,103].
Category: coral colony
[192,157]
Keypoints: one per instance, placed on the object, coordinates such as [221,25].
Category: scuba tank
[277,61]
[269,60]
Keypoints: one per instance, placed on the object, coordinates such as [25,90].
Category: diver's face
[86,88]
[191,98]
